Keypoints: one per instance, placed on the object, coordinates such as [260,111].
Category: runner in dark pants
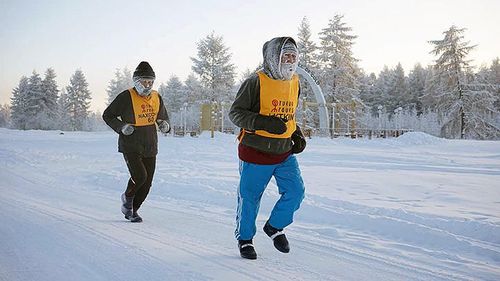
[134,115]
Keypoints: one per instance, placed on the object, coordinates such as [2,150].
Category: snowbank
[418,138]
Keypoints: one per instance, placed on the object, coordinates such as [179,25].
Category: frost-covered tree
[121,82]
[339,71]
[62,106]
[49,114]
[397,89]
[94,122]
[462,103]
[380,89]
[307,59]
[416,86]
[367,91]
[494,78]
[491,76]
[4,116]
[173,93]
[194,89]
[19,104]
[307,47]
[213,65]
[35,103]
[78,101]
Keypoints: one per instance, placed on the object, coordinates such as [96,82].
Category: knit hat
[289,47]
[144,70]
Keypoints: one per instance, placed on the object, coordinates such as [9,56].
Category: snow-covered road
[414,208]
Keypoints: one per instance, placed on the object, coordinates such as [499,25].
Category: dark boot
[127,205]
[279,238]
[247,250]
[135,217]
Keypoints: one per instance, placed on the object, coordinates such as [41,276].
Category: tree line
[38,103]
[458,100]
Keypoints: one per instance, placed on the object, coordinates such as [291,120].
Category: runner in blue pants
[264,109]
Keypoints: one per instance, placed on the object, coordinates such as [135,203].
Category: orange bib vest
[145,108]
[279,98]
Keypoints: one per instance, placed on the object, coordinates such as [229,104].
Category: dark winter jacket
[144,139]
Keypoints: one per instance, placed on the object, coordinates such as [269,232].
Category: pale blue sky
[100,36]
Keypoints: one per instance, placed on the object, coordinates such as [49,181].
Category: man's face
[289,58]
[147,83]
[288,64]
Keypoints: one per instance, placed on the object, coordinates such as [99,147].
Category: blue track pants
[253,181]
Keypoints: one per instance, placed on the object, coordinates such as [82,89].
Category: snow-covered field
[412,208]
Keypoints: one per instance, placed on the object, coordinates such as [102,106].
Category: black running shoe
[127,206]
[247,250]
[278,236]
[135,217]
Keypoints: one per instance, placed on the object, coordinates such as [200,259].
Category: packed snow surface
[410,208]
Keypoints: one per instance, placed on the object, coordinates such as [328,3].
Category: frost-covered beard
[287,70]
[141,90]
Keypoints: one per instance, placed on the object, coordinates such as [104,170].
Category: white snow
[411,208]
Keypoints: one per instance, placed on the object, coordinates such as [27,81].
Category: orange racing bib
[145,108]
[279,98]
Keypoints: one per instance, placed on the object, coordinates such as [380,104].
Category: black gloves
[275,125]
[298,140]
[271,124]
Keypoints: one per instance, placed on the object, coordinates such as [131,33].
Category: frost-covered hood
[272,51]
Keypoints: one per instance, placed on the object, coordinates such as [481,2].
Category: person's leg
[291,188]
[138,173]
[142,191]
[253,181]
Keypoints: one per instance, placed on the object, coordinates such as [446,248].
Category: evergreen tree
[63,107]
[19,104]
[380,91]
[4,116]
[397,89]
[416,87]
[213,65]
[307,48]
[35,103]
[367,91]
[121,82]
[493,78]
[339,74]
[78,101]
[51,94]
[307,59]
[194,89]
[461,101]
[173,94]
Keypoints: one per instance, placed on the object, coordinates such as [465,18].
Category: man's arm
[241,113]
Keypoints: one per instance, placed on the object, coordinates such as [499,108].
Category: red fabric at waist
[252,155]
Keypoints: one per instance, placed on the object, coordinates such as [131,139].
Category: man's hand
[163,126]
[271,124]
[128,129]
[298,140]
